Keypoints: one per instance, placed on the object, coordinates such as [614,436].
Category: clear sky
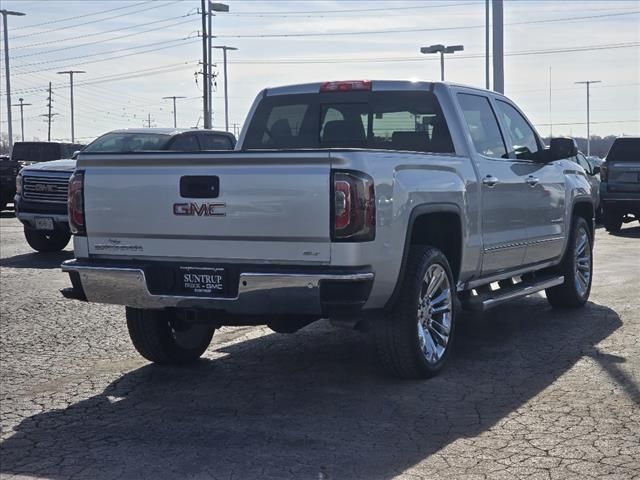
[136,52]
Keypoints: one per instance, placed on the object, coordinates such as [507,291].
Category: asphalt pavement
[530,392]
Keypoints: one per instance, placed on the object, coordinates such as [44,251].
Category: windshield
[36,151]
[390,120]
[624,150]
[125,142]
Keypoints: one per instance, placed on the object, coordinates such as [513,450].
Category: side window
[483,125]
[215,142]
[185,143]
[525,144]
[584,163]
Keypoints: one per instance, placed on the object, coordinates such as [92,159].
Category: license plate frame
[44,223]
[202,281]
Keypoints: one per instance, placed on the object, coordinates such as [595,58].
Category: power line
[422,30]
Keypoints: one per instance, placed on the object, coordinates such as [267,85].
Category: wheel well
[584,210]
[442,230]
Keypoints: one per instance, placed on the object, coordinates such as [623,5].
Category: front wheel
[414,341]
[45,241]
[577,268]
[161,336]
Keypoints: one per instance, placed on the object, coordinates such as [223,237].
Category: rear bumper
[325,293]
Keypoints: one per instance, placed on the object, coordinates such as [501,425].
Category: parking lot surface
[531,392]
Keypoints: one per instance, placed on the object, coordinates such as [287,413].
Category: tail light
[75,204]
[354,207]
[604,172]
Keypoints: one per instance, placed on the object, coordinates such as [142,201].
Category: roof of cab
[167,131]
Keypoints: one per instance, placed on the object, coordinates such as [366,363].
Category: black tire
[611,220]
[3,205]
[397,335]
[47,241]
[162,337]
[573,293]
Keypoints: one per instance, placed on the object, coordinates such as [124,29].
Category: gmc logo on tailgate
[199,209]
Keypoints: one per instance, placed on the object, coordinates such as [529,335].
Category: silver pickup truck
[390,204]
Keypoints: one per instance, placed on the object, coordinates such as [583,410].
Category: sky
[136,52]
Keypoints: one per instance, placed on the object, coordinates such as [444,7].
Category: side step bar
[489,299]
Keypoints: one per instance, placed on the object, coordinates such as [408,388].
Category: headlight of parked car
[19,184]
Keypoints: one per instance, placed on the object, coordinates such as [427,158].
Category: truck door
[503,210]
[543,195]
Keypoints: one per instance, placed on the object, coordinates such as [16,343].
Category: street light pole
[174,97]
[21,105]
[224,49]
[70,73]
[5,13]
[588,83]
[212,7]
[441,49]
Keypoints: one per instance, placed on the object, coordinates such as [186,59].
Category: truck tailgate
[266,207]
[624,176]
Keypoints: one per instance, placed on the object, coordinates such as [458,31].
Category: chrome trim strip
[523,244]
[523,292]
[258,293]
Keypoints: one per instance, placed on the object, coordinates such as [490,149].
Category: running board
[489,299]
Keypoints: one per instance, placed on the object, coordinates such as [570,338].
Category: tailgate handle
[199,186]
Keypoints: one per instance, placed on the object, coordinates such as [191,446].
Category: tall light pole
[588,83]
[224,49]
[205,63]
[487,9]
[174,97]
[498,46]
[70,73]
[441,49]
[213,7]
[5,13]
[21,105]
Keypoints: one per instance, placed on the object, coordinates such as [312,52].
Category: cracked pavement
[530,392]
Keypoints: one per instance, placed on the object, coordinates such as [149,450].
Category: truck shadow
[37,260]
[310,405]
[631,232]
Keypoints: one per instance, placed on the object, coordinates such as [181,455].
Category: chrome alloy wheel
[434,313]
[582,262]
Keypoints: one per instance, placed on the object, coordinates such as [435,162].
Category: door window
[584,163]
[524,139]
[483,125]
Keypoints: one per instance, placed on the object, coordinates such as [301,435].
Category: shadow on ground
[631,232]
[9,213]
[310,405]
[37,260]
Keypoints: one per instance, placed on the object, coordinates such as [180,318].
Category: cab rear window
[624,150]
[389,120]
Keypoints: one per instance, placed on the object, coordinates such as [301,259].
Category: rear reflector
[346,86]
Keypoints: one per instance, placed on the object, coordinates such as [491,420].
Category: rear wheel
[161,336]
[612,220]
[44,241]
[577,268]
[414,341]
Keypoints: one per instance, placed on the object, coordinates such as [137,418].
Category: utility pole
[550,118]
[498,46]
[70,73]
[49,115]
[212,7]
[205,65]
[487,9]
[148,120]
[4,14]
[21,105]
[224,49]
[588,84]
[175,123]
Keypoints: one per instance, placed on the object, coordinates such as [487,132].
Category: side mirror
[75,154]
[562,147]
[595,170]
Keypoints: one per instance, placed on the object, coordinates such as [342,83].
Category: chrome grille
[48,189]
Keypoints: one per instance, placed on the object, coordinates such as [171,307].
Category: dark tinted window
[390,120]
[185,143]
[215,142]
[123,142]
[36,151]
[624,150]
[483,125]
[523,137]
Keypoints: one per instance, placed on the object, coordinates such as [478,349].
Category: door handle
[532,181]
[490,181]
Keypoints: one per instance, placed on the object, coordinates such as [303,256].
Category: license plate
[44,223]
[202,281]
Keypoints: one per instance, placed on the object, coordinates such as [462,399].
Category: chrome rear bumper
[258,292]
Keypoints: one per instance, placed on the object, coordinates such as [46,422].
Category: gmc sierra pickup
[391,204]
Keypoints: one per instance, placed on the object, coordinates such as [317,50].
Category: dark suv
[8,172]
[620,187]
